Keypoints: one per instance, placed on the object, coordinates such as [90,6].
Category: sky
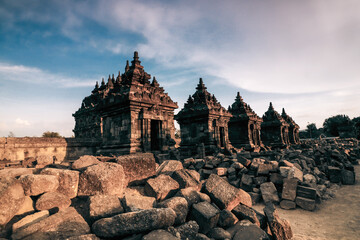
[303,56]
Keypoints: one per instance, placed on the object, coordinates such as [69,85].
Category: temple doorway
[155,135]
[222,136]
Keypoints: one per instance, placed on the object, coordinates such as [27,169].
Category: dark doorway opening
[222,137]
[155,135]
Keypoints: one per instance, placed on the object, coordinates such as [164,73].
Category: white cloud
[33,75]
[22,122]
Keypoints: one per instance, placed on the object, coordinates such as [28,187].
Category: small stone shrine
[244,126]
[274,129]
[293,128]
[203,121]
[128,113]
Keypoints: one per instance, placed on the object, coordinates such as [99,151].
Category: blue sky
[301,55]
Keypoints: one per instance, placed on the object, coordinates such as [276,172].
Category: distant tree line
[335,126]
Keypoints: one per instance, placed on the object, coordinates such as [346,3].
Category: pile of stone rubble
[133,197]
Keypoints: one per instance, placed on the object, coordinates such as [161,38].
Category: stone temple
[203,121]
[274,129]
[244,126]
[293,128]
[128,113]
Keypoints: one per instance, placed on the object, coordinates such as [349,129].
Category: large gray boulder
[134,222]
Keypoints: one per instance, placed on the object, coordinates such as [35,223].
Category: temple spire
[283,112]
[136,59]
[154,82]
[127,66]
[201,85]
[271,106]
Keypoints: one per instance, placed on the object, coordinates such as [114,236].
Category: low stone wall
[16,149]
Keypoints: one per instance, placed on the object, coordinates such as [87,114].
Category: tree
[356,122]
[312,130]
[11,134]
[335,125]
[49,134]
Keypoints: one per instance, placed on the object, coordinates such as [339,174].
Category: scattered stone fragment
[101,206]
[179,205]
[68,180]
[306,192]
[15,172]
[334,174]
[159,235]
[30,219]
[227,219]
[289,189]
[287,204]
[84,162]
[104,178]
[206,215]
[269,192]
[134,222]
[305,203]
[27,206]
[185,179]
[243,212]
[190,194]
[137,167]
[188,230]
[245,230]
[280,228]
[37,184]
[169,166]
[134,201]
[84,237]
[347,177]
[52,200]
[161,187]
[219,234]
[11,198]
[225,195]
[61,225]
[43,160]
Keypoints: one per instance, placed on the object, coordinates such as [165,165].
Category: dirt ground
[334,219]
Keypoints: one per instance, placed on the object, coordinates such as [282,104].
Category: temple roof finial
[271,106]
[283,111]
[97,85]
[127,66]
[102,82]
[201,85]
[136,59]
[154,82]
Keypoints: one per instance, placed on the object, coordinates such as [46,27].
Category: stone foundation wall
[16,149]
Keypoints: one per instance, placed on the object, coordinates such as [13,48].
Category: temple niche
[128,113]
[293,128]
[203,121]
[244,126]
[274,129]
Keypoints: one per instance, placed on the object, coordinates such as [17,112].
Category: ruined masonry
[274,129]
[128,113]
[293,128]
[244,126]
[203,120]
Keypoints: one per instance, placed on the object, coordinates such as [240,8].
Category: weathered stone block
[134,222]
[225,195]
[289,189]
[159,235]
[334,174]
[243,212]
[280,228]
[245,230]
[52,200]
[179,205]
[15,172]
[206,215]
[188,230]
[218,234]
[169,166]
[30,219]
[347,177]
[84,162]
[134,201]
[190,194]
[61,225]
[161,187]
[305,203]
[27,206]
[137,167]
[37,184]
[306,192]
[227,219]
[43,160]
[68,180]
[102,179]
[287,204]
[185,179]
[101,206]
[269,192]
[84,237]
[11,198]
